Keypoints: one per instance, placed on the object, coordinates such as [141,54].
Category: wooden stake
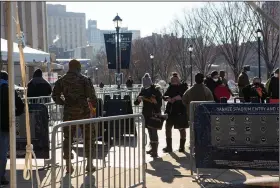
[11,83]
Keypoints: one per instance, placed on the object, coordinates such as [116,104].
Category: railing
[113,154]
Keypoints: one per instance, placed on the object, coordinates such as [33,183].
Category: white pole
[11,32]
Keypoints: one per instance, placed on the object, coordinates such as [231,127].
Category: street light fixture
[96,73]
[259,34]
[152,60]
[191,50]
[118,23]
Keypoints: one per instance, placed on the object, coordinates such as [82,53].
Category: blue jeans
[4,147]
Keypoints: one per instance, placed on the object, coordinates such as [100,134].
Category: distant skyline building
[33,23]
[65,29]
[95,36]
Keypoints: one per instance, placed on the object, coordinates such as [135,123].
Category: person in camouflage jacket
[77,91]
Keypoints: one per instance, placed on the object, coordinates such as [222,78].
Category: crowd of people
[78,92]
[213,87]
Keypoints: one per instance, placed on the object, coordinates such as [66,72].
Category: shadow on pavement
[183,160]
[87,182]
[217,177]
[163,169]
[65,182]
[43,174]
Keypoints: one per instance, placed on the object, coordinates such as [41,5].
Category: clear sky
[148,17]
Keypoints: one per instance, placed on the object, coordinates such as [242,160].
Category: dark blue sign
[125,50]
[110,45]
[237,136]
[125,46]
[39,132]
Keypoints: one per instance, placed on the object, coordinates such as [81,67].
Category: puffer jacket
[173,109]
[148,107]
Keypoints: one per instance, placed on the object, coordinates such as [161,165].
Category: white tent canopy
[30,54]
[54,66]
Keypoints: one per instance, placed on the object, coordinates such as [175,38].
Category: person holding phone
[151,97]
[177,116]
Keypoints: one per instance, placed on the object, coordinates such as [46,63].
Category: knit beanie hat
[146,80]
[4,75]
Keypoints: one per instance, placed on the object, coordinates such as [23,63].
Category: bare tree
[179,43]
[139,60]
[231,30]
[156,44]
[104,74]
[204,49]
[161,50]
[270,35]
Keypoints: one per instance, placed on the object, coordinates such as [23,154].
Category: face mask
[215,79]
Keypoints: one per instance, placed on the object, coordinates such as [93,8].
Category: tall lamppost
[96,74]
[259,34]
[118,22]
[152,61]
[191,50]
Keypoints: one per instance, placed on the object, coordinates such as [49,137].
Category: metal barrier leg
[197,176]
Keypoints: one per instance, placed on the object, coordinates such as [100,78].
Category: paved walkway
[160,172]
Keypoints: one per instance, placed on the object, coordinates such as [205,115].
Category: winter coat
[243,81]
[199,92]
[150,108]
[38,87]
[273,88]
[101,85]
[212,85]
[173,109]
[77,90]
[177,114]
[251,91]
[4,107]
[129,83]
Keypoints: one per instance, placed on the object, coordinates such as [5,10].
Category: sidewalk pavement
[159,174]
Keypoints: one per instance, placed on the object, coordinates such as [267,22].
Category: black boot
[4,182]
[154,153]
[182,145]
[168,148]
[149,151]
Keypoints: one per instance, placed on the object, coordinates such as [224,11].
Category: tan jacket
[199,92]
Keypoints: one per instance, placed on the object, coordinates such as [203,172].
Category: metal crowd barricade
[192,109]
[193,106]
[119,162]
[39,100]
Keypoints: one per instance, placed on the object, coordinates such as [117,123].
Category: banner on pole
[125,46]
[110,46]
